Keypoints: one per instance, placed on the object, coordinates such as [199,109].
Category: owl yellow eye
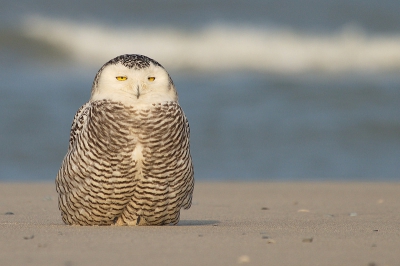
[151,78]
[121,78]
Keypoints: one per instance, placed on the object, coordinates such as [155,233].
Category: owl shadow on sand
[197,222]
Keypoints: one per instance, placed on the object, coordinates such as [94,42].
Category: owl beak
[137,92]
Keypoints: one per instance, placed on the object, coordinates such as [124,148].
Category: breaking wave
[221,47]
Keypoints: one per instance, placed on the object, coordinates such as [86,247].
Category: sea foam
[221,47]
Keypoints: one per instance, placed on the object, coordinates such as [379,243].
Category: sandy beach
[229,223]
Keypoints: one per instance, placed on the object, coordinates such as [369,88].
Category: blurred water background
[274,90]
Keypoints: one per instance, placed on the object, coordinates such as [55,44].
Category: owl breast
[126,166]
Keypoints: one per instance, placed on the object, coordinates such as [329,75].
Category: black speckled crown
[135,61]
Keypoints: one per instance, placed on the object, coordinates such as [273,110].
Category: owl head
[133,80]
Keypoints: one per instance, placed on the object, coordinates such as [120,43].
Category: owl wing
[80,119]
[188,199]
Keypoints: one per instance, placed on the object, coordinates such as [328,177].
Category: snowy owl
[128,161]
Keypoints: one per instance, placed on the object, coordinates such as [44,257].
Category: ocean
[273,90]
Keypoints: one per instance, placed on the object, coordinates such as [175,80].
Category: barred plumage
[128,161]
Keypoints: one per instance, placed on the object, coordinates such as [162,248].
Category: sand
[229,224]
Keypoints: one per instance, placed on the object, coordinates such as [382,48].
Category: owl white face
[133,86]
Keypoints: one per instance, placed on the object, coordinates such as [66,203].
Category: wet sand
[229,223]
